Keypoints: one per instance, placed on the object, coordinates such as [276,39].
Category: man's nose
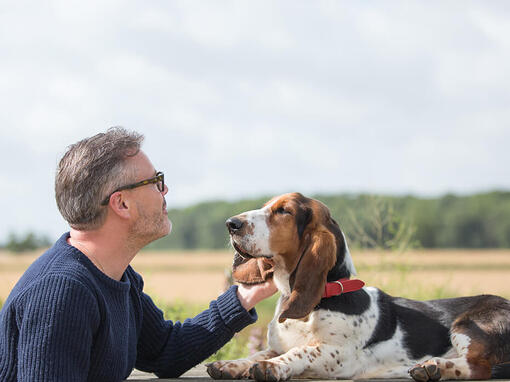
[234,224]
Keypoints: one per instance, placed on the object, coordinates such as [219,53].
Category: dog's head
[294,239]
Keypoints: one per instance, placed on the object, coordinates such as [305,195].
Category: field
[198,276]
[183,283]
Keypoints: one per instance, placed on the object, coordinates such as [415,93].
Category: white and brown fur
[361,334]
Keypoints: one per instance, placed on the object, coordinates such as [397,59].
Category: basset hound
[362,332]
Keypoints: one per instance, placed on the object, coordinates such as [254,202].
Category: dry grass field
[198,276]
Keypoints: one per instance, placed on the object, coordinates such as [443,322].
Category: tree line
[374,221]
[369,221]
[25,242]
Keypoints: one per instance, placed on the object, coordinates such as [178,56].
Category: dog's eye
[281,210]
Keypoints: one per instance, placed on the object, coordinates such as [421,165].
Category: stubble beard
[150,227]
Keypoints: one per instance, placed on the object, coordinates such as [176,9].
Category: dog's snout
[234,224]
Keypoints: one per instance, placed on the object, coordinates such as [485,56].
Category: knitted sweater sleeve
[169,349]
[56,318]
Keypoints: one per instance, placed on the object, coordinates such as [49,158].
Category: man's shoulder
[53,294]
[63,283]
[54,298]
[58,265]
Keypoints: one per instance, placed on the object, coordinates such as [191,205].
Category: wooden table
[198,374]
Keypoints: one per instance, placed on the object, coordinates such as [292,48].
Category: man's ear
[120,205]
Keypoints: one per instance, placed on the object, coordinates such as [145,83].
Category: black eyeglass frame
[158,179]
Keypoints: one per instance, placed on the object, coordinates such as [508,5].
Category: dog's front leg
[320,361]
[239,368]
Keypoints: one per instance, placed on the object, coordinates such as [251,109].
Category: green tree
[27,242]
[390,222]
[378,224]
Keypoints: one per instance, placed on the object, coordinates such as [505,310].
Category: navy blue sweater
[65,320]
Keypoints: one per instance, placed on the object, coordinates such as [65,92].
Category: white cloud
[239,99]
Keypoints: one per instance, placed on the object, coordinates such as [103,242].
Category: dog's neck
[339,270]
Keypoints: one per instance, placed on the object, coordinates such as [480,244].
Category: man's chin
[169,226]
[157,232]
[166,229]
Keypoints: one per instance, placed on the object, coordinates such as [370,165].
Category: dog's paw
[428,371]
[269,371]
[229,369]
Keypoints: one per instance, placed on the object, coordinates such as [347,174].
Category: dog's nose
[234,224]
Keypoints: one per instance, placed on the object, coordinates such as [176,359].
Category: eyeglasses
[159,179]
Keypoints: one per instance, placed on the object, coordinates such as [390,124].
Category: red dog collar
[336,288]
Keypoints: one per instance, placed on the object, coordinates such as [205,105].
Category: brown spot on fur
[457,373]
[284,238]
[481,356]
[449,364]
[482,323]
[250,228]
[299,355]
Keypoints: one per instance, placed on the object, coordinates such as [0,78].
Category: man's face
[151,218]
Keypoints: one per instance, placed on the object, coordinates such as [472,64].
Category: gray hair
[91,169]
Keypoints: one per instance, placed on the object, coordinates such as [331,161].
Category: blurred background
[393,113]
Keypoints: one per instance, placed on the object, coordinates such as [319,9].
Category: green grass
[405,287]
[239,346]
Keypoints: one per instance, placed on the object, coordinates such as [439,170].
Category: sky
[238,99]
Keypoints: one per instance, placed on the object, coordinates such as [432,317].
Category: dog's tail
[501,371]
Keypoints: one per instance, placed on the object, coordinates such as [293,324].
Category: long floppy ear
[310,275]
[253,271]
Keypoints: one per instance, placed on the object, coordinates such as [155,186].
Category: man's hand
[251,295]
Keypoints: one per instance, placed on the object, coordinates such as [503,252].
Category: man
[79,312]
